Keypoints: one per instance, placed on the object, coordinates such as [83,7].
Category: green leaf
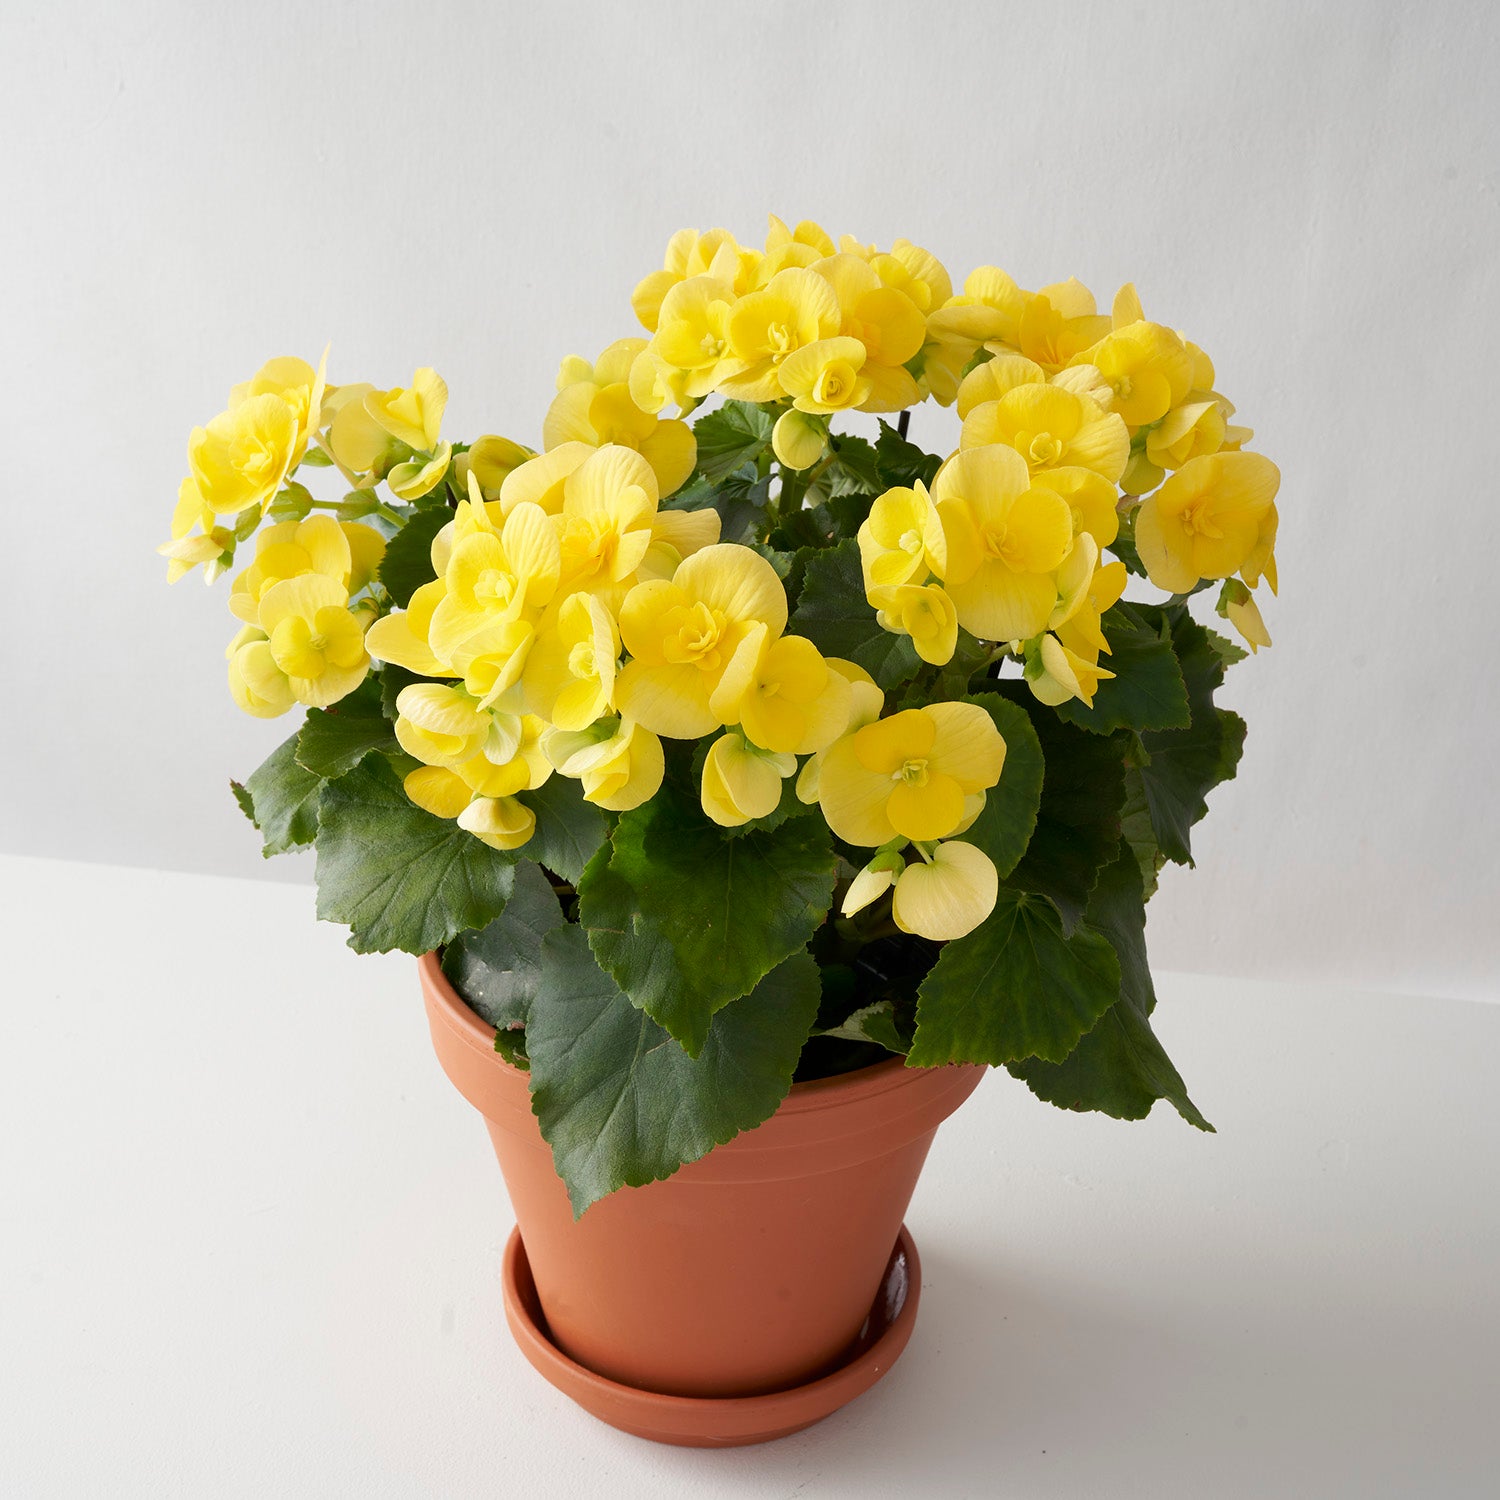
[1015,987]
[1186,764]
[1078,819]
[1137,832]
[1147,690]
[1119,1068]
[281,798]
[620,1103]
[407,563]
[735,434]
[498,968]
[1226,650]
[740,499]
[316,458]
[399,877]
[1123,547]
[902,463]
[872,1023]
[392,680]
[569,831]
[687,919]
[1005,827]
[854,470]
[833,614]
[334,740]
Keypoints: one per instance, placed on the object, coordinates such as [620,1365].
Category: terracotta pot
[750,1271]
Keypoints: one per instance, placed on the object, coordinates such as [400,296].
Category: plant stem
[903,422]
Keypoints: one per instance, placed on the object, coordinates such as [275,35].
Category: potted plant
[747,786]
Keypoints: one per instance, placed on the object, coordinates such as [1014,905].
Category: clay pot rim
[813,1094]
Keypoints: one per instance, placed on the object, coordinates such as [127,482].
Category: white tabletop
[251,1246]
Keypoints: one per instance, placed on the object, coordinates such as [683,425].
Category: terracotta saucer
[721,1422]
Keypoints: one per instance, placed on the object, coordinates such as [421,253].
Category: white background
[1310,191]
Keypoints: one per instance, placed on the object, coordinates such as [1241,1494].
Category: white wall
[1309,190]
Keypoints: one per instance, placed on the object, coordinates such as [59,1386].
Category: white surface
[252,1243]
[1309,189]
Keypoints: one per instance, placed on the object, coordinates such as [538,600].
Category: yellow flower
[902,540]
[826,376]
[1146,366]
[314,637]
[797,307]
[605,526]
[618,763]
[1237,605]
[355,438]
[866,701]
[872,882]
[676,534]
[1051,428]
[692,335]
[1092,500]
[214,545]
[492,579]
[1210,519]
[491,460]
[1005,540]
[987,310]
[798,440]
[947,894]
[910,775]
[438,790]
[601,412]
[317,545]
[688,254]
[1188,431]
[742,781]
[683,634]
[541,480]
[1054,673]
[570,674]
[783,695]
[511,758]
[995,378]
[917,272]
[1080,632]
[241,458]
[922,611]
[402,637]
[295,382]
[1058,323]
[414,415]
[500,822]
[440,725]
[885,322]
[256,683]
[814,236]
[419,476]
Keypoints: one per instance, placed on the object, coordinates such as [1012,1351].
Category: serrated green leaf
[872,1023]
[1186,764]
[1015,987]
[497,969]
[1078,818]
[1005,826]
[569,831]
[1119,1067]
[1147,690]
[1228,651]
[281,798]
[1123,547]
[407,563]
[854,470]
[620,1103]
[735,434]
[1137,832]
[399,877]
[901,463]
[833,614]
[687,919]
[334,740]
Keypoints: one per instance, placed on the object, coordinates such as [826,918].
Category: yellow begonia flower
[357,441]
[689,253]
[438,790]
[826,376]
[796,308]
[492,660]
[314,638]
[1092,500]
[1074,577]
[910,775]
[902,540]
[618,763]
[918,273]
[242,457]
[1188,431]
[798,439]
[948,895]
[995,378]
[1054,673]
[256,683]
[922,611]
[414,415]
[440,725]
[500,822]
[1244,614]
[1005,540]
[419,476]
[295,382]
[814,236]
[676,534]
[601,411]
[511,759]
[1051,428]
[692,335]
[872,882]
[1210,519]
[866,701]
[1057,324]
[1080,632]
[541,480]
[317,545]
[683,634]
[783,694]
[742,781]
[1146,366]
[605,525]
[402,637]
[491,580]
[987,310]
[490,460]
[214,545]
[570,674]
[887,324]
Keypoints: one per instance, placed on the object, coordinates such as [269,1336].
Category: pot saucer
[724,1421]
